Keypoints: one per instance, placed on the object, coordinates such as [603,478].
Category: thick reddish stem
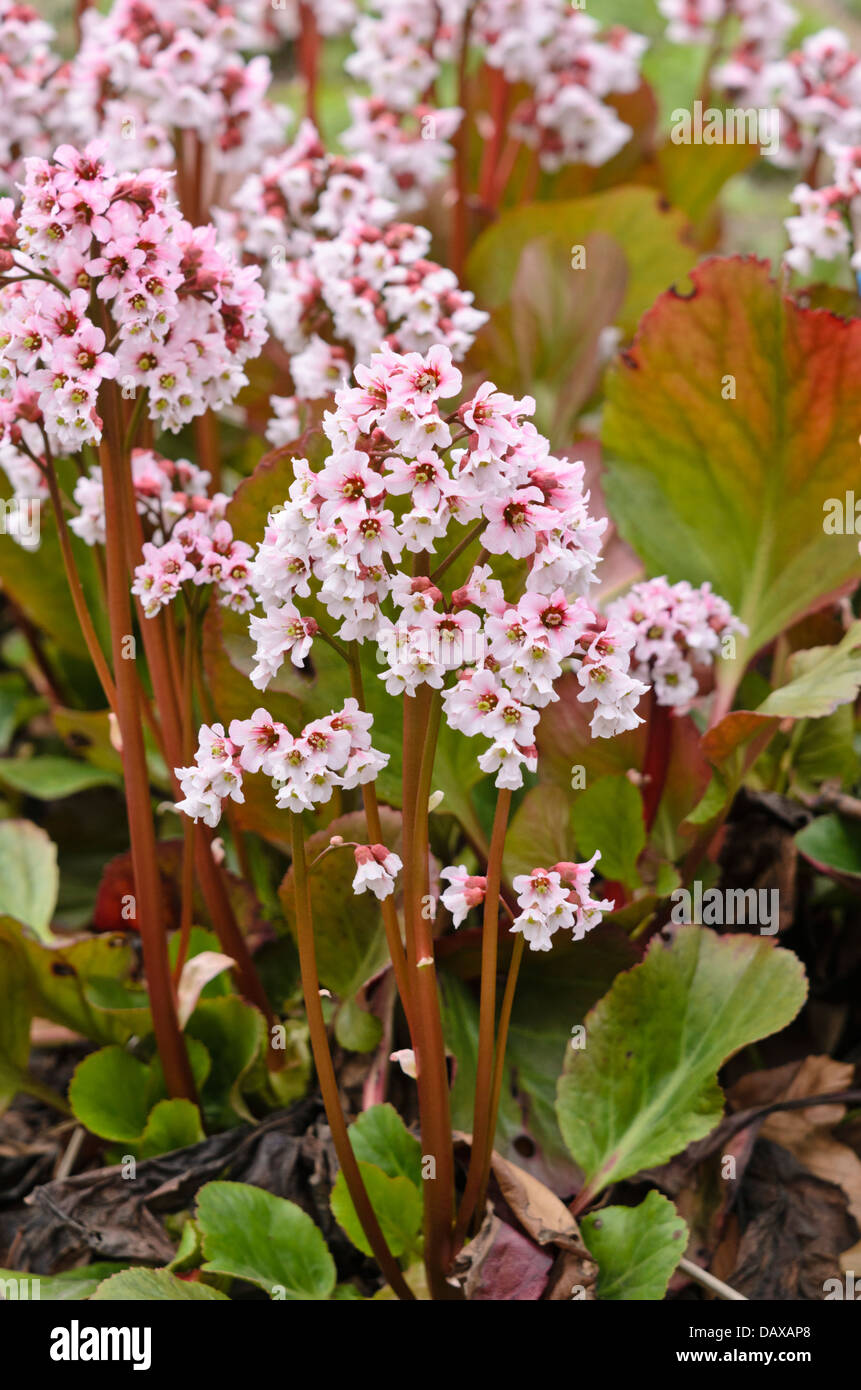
[499,90]
[504,170]
[309,58]
[499,1063]
[208,452]
[189,828]
[326,1072]
[441,1194]
[431,1073]
[482,1138]
[657,760]
[149,906]
[76,590]
[460,209]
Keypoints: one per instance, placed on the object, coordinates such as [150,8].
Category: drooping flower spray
[402,536]
[114,308]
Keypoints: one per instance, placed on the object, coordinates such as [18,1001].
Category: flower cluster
[673,628]
[548,899]
[413,146]
[32,88]
[816,88]
[401,474]
[303,195]
[554,898]
[304,769]
[149,70]
[189,539]
[762,24]
[102,279]
[201,550]
[165,490]
[330,17]
[522,650]
[399,49]
[827,219]
[570,67]
[341,276]
[20,445]
[814,94]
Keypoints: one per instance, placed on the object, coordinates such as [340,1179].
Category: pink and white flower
[464,892]
[376,870]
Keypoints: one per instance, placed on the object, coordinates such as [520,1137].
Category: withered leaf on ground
[513,1268]
[808,1133]
[529,1223]
[101,1214]
[793,1228]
